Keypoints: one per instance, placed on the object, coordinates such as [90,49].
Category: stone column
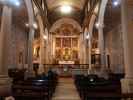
[84,46]
[46,49]
[101,38]
[82,49]
[41,53]
[90,46]
[87,50]
[127,82]
[5,30]
[51,47]
[102,51]
[89,57]
[80,52]
[101,45]
[91,26]
[30,12]
[30,52]
[47,46]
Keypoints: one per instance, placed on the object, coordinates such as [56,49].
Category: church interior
[66,49]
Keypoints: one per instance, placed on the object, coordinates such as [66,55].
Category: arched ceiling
[77,6]
[19,14]
[68,22]
[52,4]
[112,16]
[51,10]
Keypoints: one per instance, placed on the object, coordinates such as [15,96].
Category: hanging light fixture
[66,9]
[35,25]
[116,2]
[88,36]
[97,24]
[10,2]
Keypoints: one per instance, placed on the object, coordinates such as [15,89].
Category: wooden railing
[72,66]
[68,69]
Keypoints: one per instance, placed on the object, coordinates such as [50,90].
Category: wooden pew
[88,85]
[40,88]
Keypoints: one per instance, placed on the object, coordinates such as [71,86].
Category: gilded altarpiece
[66,44]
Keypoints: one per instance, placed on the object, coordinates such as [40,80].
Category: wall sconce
[45,37]
[35,26]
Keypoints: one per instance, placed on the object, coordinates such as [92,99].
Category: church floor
[66,90]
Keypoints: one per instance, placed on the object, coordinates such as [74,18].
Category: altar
[68,70]
[65,68]
[67,62]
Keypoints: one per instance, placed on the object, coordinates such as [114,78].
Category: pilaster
[127,82]
[102,51]
[5,81]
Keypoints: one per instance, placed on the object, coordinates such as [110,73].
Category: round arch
[29,7]
[65,20]
[30,11]
[102,12]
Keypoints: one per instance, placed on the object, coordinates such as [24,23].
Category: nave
[66,90]
[89,41]
[51,86]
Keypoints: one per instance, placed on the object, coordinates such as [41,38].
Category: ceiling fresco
[53,4]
